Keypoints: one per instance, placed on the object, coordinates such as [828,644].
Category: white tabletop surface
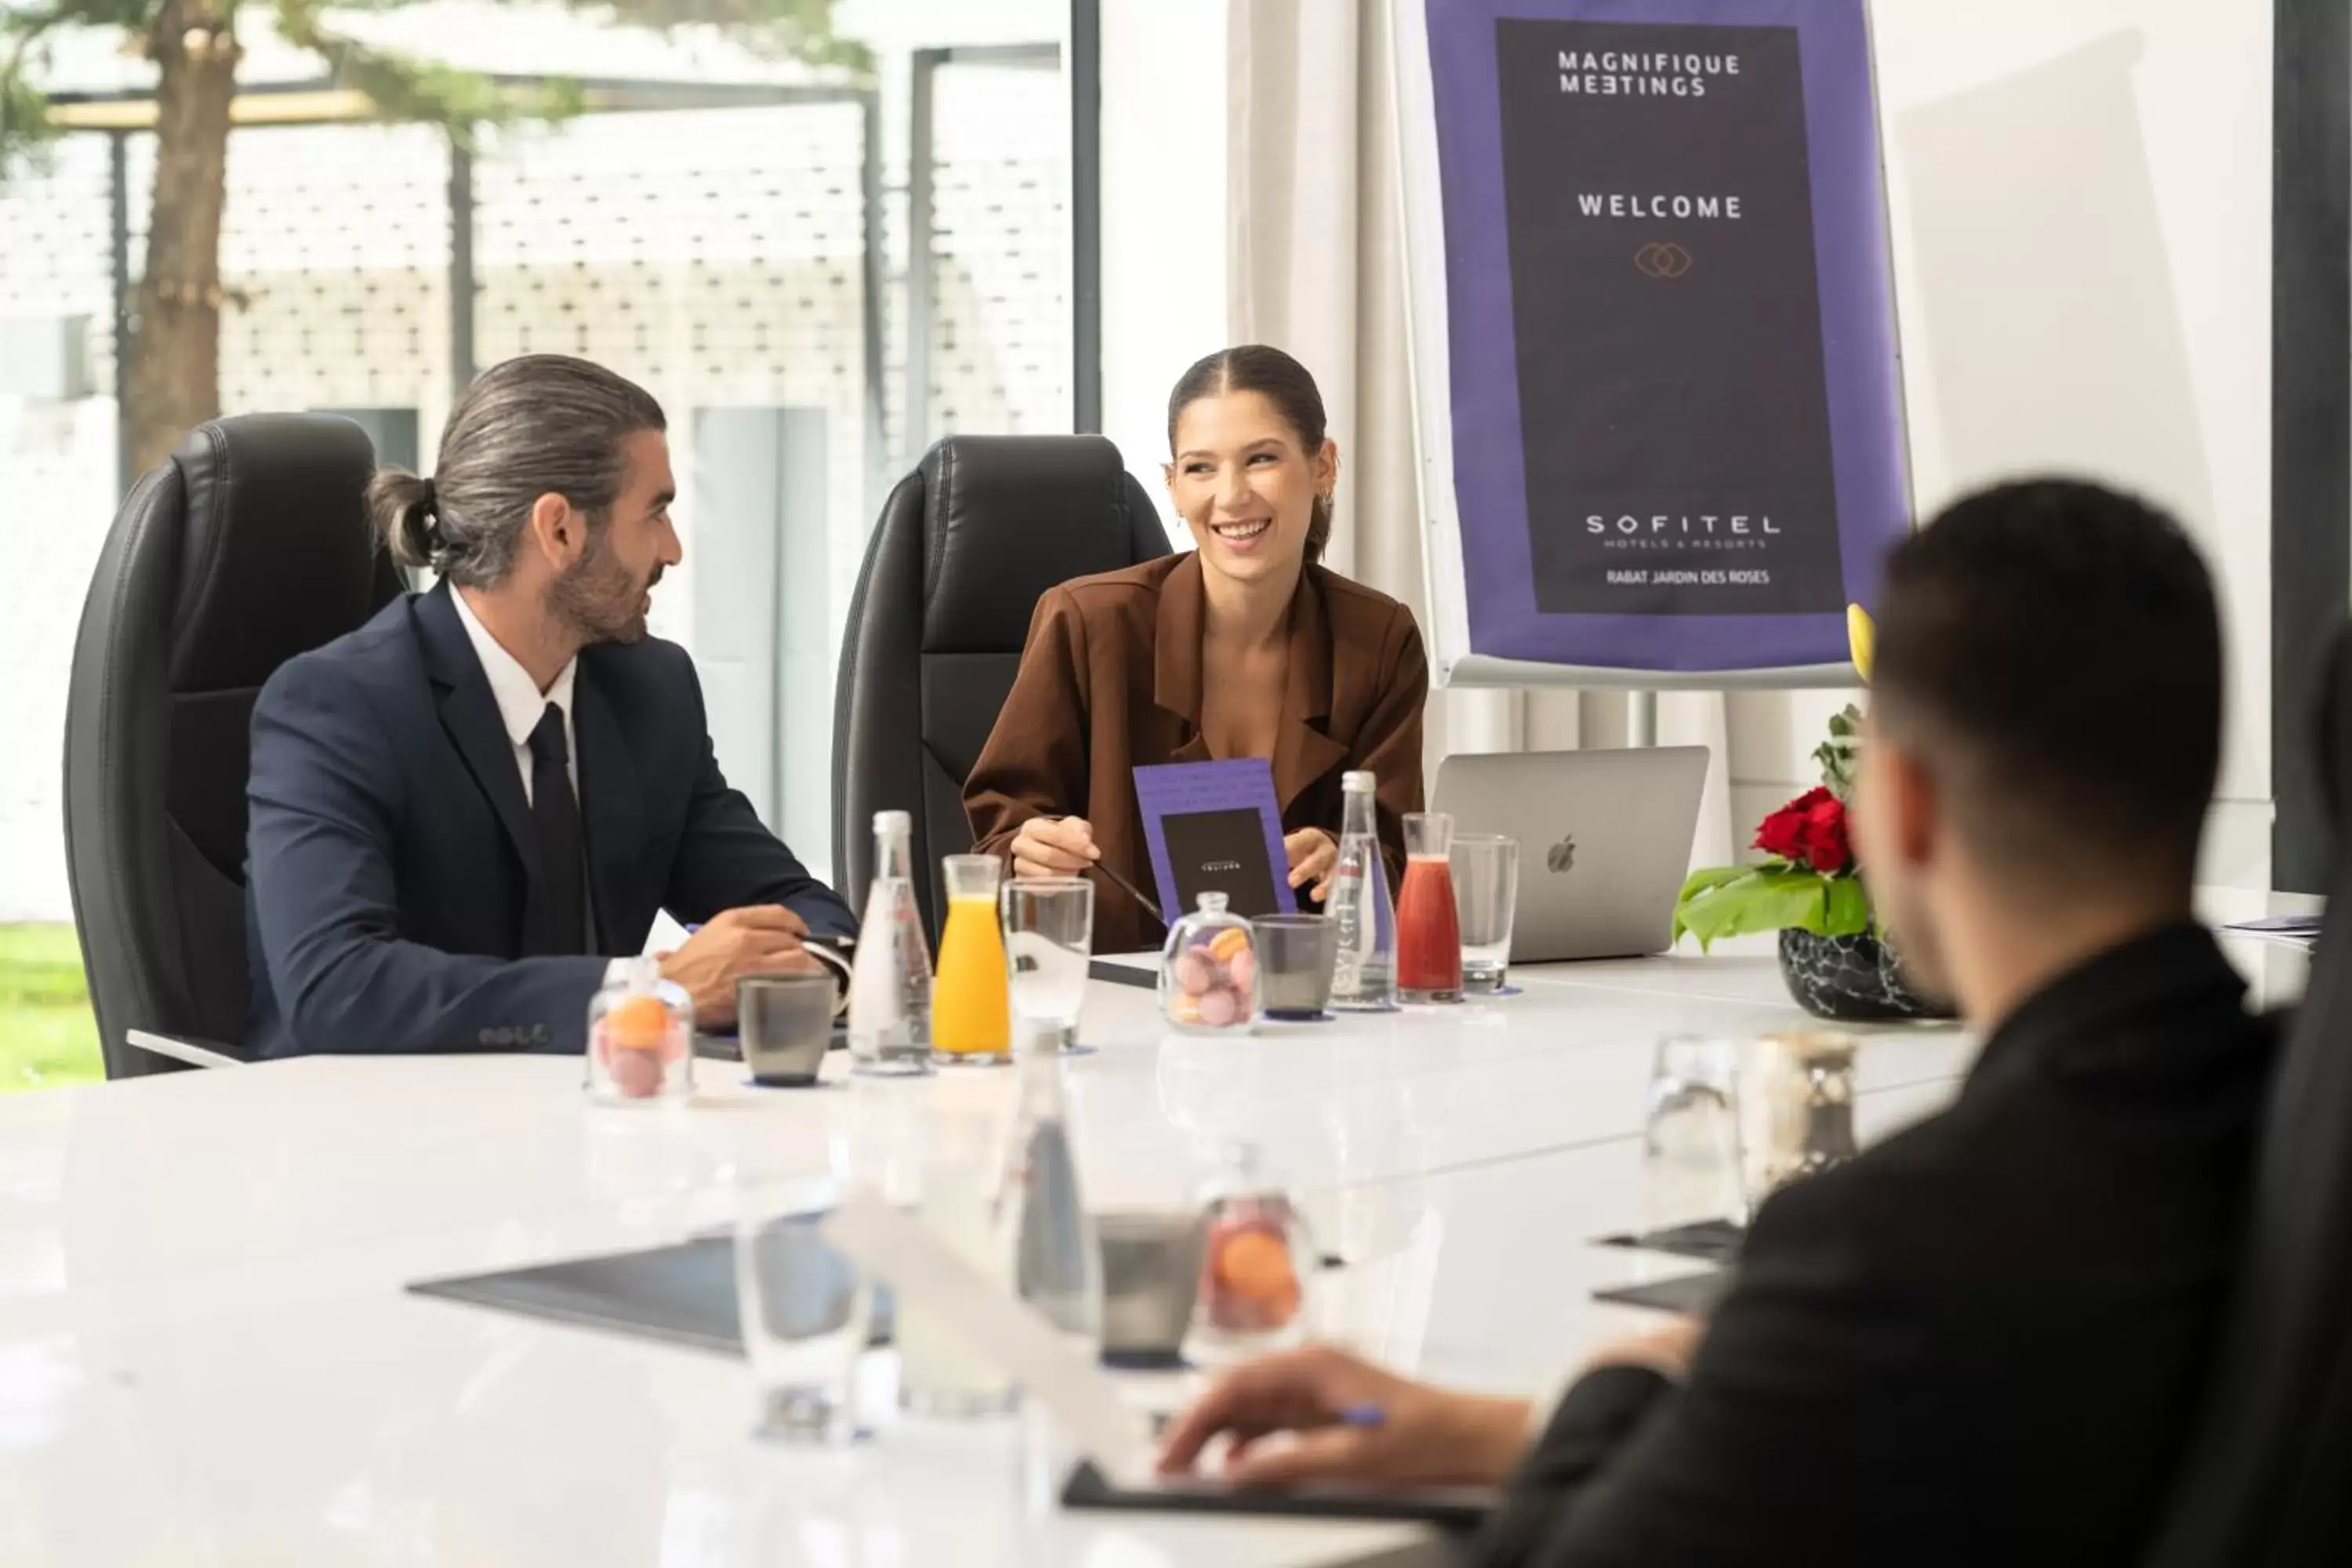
[206,1355]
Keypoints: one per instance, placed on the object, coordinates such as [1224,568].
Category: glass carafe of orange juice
[971,1015]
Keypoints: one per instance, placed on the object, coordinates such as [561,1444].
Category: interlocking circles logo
[1663,260]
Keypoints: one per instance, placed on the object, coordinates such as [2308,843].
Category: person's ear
[1327,468]
[559,530]
[1914,804]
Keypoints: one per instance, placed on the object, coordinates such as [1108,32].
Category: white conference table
[207,1356]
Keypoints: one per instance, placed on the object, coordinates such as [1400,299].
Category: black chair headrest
[269,502]
[1009,509]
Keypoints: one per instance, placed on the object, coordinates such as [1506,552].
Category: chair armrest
[195,1053]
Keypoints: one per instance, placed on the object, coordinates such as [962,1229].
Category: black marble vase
[1850,979]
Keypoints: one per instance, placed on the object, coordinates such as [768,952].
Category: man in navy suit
[462,812]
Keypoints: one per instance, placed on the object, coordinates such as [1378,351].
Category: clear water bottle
[1364,978]
[891,983]
[1057,1265]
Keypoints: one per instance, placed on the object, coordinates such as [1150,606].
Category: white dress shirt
[521,705]
[520,701]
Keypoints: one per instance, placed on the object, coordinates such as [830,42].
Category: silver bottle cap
[1360,778]
[893,821]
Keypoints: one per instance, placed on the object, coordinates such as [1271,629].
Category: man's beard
[598,599]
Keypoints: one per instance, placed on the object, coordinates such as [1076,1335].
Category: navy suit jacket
[391,871]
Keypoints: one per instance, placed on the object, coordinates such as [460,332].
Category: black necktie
[561,855]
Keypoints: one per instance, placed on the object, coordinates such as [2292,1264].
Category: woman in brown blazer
[1243,647]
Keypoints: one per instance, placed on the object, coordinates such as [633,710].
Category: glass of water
[1691,1174]
[941,1374]
[1486,868]
[806,1310]
[1049,936]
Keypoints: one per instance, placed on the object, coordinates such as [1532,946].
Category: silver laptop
[1604,841]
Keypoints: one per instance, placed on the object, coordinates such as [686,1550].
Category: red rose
[1826,845]
[1809,831]
[1784,832]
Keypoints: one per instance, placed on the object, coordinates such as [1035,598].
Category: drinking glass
[1049,935]
[1690,1143]
[1485,872]
[1429,931]
[785,1025]
[1151,1275]
[805,1309]
[939,1373]
[971,1006]
[1296,955]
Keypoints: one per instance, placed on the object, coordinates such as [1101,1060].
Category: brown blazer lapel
[1302,752]
[1176,653]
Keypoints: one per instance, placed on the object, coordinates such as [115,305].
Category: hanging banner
[1657,383]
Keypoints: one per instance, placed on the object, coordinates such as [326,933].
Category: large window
[816,271]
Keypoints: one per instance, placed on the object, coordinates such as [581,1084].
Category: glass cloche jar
[1208,971]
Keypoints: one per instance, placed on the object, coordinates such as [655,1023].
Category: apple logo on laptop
[1563,855]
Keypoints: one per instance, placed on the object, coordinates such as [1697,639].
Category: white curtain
[1315,266]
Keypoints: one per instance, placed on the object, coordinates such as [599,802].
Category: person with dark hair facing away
[1982,1340]
[460,812]
[1243,647]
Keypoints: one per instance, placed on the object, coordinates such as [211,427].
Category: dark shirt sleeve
[327,905]
[1389,745]
[727,858]
[1786,1439]
[1034,763]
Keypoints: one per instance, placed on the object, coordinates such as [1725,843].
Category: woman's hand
[1054,847]
[1321,1415]
[1313,853]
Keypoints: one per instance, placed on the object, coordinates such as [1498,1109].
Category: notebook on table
[682,1294]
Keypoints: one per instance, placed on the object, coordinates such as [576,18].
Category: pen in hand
[1124,885]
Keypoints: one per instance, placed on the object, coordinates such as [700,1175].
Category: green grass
[48,1036]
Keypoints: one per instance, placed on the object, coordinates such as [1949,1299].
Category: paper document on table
[2301,932]
[897,1248]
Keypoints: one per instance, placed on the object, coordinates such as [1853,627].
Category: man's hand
[763,939]
[1312,853]
[1054,847]
[1667,1349]
[1321,1415]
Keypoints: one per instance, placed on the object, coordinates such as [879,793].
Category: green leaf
[1711,877]
[1847,910]
[1763,899]
[410,90]
[25,127]
[25,131]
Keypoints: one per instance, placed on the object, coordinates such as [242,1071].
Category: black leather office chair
[966,544]
[249,546]
[2267,1481]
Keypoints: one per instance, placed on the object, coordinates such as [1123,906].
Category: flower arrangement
[1808,881]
